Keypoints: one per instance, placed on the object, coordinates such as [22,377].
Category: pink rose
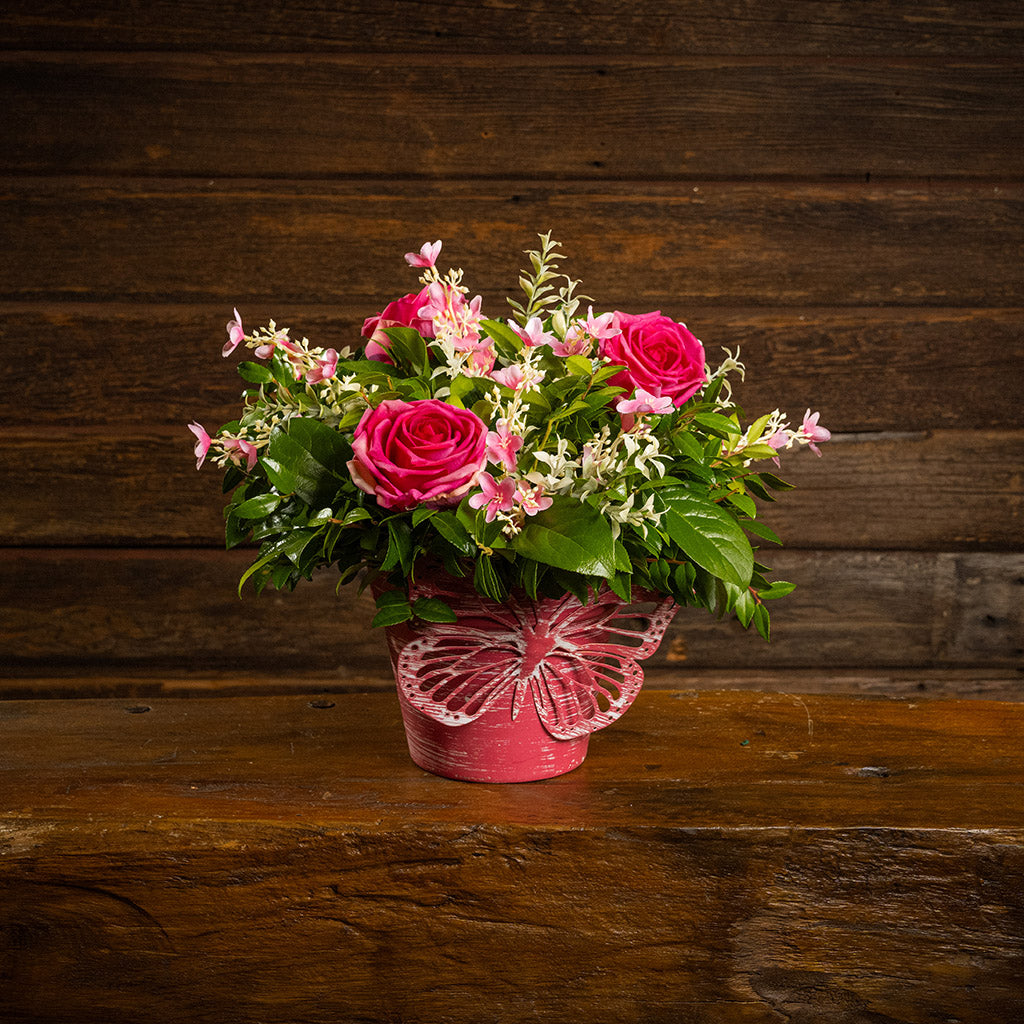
[403,312]
[660,356]
[418,453]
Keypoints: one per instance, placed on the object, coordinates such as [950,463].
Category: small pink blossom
[239,450]
[643,403]
[812,432]
[324,368]
[601,327]
[502,446]
[511,377]
[236,335]
[533,334]
[777,441]
[577,343]
[426,257]
[454,318]
[532,499]
[494,496]
[202,442]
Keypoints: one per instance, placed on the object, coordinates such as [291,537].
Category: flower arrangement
[555,452]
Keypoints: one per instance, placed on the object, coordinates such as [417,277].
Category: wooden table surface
[718,857]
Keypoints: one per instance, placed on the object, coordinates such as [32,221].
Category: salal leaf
[392,607]
[407,348]
[569,535]
[254,373]
[307,460]
[258,507]
[708,535]
[433,609]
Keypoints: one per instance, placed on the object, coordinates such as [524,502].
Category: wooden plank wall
[835,188]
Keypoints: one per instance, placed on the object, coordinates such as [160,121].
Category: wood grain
[602,27]
[718,243]
[1004,683]
[177,610]
[866,369]
[940,489]
[736,856]
[394,117]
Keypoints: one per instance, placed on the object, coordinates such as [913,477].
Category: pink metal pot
[511,692]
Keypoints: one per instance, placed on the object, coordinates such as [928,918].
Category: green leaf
[399,552]
[407,348]
[758,489]
[762,531]
[357,515]
[530,576]
[780,588]
[233,476]
[744,503]
[295,544]
[255,373]
[392,607]
[307,460]
[777,484]
[579,365]
[620,585]
[448,525]
[687,445]
[461,386]
[715,423]
[569,535]
[487,581]
[762,621]
[258,507]
[709,536]
[422,512]
[578,586]
[745,608]
[433,609]
[281,370]
[498,331]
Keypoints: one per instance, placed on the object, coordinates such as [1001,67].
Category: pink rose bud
[403,312]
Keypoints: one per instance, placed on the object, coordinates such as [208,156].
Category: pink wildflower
[453,317]
[238,449]
[532,499]
[236,335]
[778,440]
[426,257]
[812,432]
[511,377]
[481,360]
[324,369]
[577,343]
[202,442]
[642,404]
[601,327]
[494,496]
[533,334]
[502,446]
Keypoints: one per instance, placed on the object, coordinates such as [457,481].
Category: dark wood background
[836,188]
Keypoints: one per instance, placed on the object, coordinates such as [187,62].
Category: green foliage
[667,504]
